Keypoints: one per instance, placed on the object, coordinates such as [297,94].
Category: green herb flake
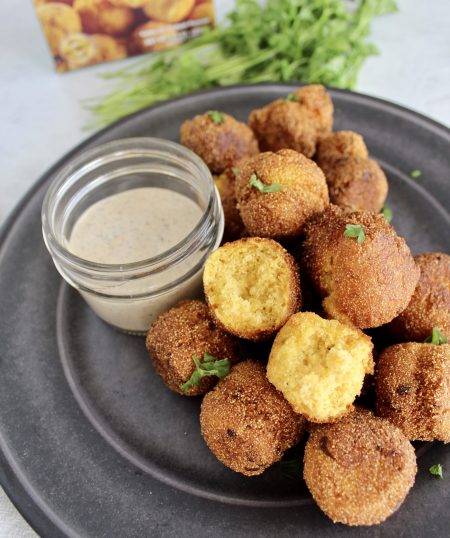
[235,171]
[415,173]
[208,367]
[258,184]
[355,230]
[437,337]
[436,470]
[293,97]
[216,116]
[291,468]
[387,213]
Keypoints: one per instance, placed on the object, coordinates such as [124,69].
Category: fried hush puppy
[430,304]
[365,280]
[57,21]
[359,469]
[184,331]
[413,390]
[104,17]
[234,227]
[168,10]
[319,365]
[278,192]
[297,122]
[218,139]
[246,422]
[355,182]
[81,50]
[252,287]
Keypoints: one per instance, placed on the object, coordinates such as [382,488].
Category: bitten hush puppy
[359,469]
[413,389]
[246,422]
[319,365]
[278,192]
[364,272]
[252,287]
[187,330]
[297,122]
[218,139]
[430,304]
[354,181]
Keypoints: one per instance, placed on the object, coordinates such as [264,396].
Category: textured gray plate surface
[92,443]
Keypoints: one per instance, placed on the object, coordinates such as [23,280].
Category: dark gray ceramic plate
[92,443]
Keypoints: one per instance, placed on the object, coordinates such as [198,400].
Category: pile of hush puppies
[309,263]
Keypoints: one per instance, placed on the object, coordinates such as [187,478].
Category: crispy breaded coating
[340,144]
[281,214]
[182,332]
[246,422]
[297,123]
[430,304]
[220,145]
[319,365]
[413,389]
[365,284]
[252,287]
[359,469]
[355,182]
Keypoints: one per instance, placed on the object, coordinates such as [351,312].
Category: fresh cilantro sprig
[258,184]
[216,116]
[437,337]
[436,470]
[293,97]
[355,230]
[207,367]
[387,213]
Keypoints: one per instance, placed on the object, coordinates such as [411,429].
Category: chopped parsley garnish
[436,337]
[216,116]
[291,468]
[436,470]
[258,184]
[235,171]
[355,230]
[293,97]
[209,366]
[387,213]
[415,173]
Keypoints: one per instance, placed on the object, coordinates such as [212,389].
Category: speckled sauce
[133,225]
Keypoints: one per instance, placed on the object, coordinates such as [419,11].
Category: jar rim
[149,144]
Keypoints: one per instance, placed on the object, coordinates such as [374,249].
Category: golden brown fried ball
[365,284]
[81,50]
[246,422]
[430,305]
[168,10]
[252,287]
[130,3]
[234,227]
[42,2]
[184,331]
[339,145]
[281,214]
[58,20]
[413,389]
[319,365]
[104,17]
[359,469]
[219,143]
[154,36]
[203,10]
[297,123]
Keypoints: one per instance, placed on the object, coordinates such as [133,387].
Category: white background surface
[41,116]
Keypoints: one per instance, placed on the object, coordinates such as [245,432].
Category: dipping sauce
[133,225]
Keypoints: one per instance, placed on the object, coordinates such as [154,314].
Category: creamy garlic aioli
[133,225]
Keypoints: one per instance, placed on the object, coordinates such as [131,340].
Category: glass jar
[130,296]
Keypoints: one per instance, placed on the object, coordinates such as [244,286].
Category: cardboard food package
[87,32]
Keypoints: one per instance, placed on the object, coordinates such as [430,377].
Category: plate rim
[14,487]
